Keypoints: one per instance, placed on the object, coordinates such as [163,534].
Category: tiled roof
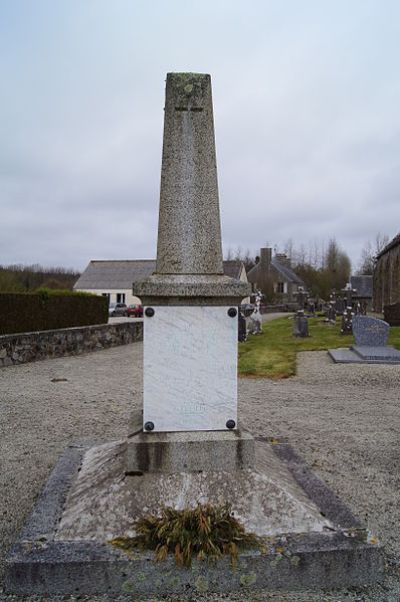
[363,285]
[286,272]
[393,243]
[233,268]
[120,274]
[114,274]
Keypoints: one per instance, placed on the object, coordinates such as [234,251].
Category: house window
[106,295]
[120,297]
[281,287]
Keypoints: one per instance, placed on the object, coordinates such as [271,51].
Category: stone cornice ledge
[191,289]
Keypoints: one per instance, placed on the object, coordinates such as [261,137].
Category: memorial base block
[190,451]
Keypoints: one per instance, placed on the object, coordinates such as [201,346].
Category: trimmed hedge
[50,310]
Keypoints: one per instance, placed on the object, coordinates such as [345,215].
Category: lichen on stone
[189,85]
[128,586]
[201,584]
[248,579]
[175,581]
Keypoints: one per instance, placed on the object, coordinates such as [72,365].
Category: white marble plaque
[190,368]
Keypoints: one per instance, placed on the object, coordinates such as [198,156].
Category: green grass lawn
[272,354]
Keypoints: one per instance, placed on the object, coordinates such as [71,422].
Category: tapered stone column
[189,268]
[189,231]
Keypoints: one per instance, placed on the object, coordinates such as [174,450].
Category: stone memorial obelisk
[187,448]
[190,307]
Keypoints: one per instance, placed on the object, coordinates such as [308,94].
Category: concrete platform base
[365,355]
[329,548]
[189,451]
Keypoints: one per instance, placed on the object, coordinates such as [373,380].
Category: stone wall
[387,276]
[33,346]
[392,314]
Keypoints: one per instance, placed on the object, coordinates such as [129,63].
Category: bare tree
[381,240]
[229,255]
[245,257]
[369,253]
[289,248]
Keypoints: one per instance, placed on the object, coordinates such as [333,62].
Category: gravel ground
[343,419]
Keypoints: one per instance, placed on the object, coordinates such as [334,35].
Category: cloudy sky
[306,106]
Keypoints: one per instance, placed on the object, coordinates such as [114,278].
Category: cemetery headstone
[340,305]
[370,332]
[242,332]
[348,292]
[247,309]
[371,336]
[300,324]
[301,297]
[311,307]
[330,313]
[347,321]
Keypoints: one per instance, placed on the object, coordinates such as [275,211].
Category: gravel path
[344,420]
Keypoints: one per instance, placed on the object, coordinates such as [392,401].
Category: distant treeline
[25,279]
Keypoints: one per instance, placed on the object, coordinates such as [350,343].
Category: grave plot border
[345,355]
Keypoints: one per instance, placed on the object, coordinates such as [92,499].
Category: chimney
[265,258]
[283,259]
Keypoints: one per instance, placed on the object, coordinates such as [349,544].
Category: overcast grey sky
[306,106]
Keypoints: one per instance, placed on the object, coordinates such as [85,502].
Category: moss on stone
[140,577]
[201,584]
[175,581]
[248,580]
[188,84]
[128,586]
[185,77]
